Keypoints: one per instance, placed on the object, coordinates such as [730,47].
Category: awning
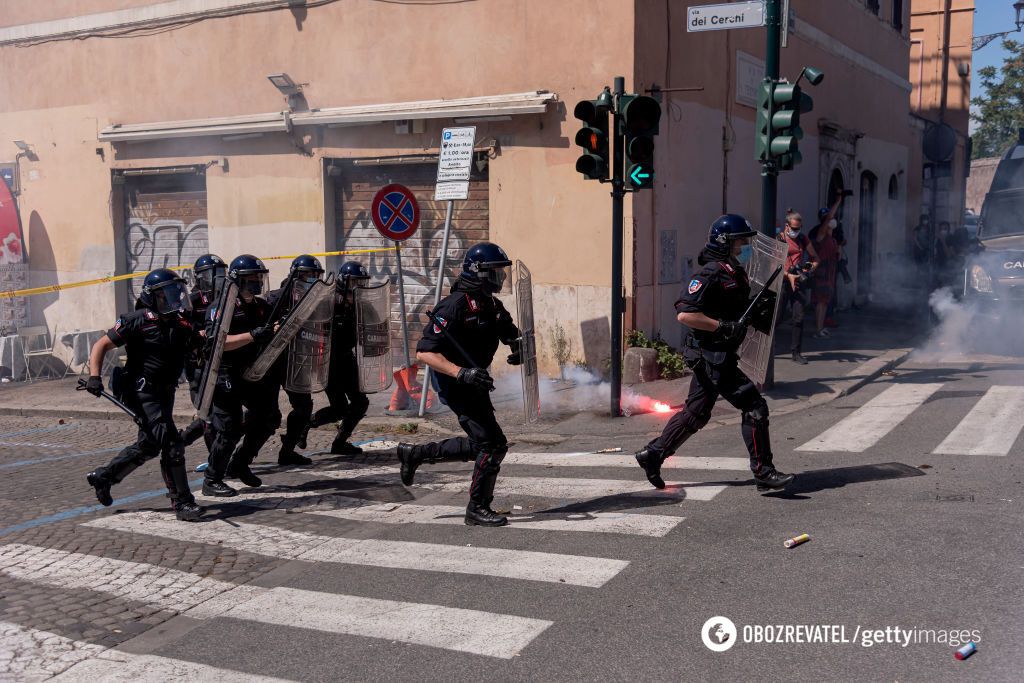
[470,107]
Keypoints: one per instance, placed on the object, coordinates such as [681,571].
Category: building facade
[154,136]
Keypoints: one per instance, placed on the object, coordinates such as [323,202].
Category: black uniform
[719,290]
[194,362]
[346,402]
[262,415]
[156,348]
[478,322]
[302,404]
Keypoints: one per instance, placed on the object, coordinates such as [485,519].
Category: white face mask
[833,223]
[792,233]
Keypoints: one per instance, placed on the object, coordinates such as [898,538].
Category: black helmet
[249,273]
[488,264]
[727,228]
[207,271]
[352,274]
[165,292]
[307,265]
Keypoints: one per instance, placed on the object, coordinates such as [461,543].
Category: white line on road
[992,426]
[282,543]
[484,633]
[575,489]
[678,462]
[597,522]
[867,425]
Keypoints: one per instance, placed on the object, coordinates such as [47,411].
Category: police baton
[745,318]
[447,335]
[110,397]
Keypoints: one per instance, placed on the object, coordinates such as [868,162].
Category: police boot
[410,458]
[650,460]
[341,446]
[772,480]
[99,481]
[188,512]
[287,456]
[182,501]
[239,469]
[481,493]
[217,488]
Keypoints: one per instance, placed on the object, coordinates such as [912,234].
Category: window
[897,15]
[894,187]
[873,5]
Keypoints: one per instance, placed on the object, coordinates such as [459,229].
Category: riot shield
[300,313]
[224,310]
[528,343]
[756,350]
[373,338]
[309,351]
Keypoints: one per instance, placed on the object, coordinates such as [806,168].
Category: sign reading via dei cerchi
[454,163]
[733,15]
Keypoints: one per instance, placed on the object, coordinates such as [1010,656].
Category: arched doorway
[866,232]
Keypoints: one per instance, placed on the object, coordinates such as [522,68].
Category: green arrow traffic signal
[641,176]
[640,116]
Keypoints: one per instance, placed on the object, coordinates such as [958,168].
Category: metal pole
[437,295]
[401,304]
[618,194]
[769,170]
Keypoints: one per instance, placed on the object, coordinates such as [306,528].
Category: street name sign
[454,163]
[732,15]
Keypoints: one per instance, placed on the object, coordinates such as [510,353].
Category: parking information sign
[733,15]
[454,163]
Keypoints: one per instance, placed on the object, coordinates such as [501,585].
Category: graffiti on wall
[164,243]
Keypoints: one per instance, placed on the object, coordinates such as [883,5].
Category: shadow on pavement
[821,480]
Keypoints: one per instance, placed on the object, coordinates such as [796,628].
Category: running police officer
[347,403]
[156,337]
[477,321]
[250,323]
[716,297]
[304,271]
[209,272]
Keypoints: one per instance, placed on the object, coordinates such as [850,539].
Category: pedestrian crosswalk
[991,427]
[347,530]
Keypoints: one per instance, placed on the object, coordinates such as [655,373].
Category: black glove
[95,385]
[516,357]
[262,334]
[476,377]
[732,332]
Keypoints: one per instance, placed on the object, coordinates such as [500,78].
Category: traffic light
[593,137]
[788,102]
[640,117]
[763,132]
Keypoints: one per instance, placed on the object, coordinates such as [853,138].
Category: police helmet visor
[208,280]
[496,277]
[172,298]
[253,283]
[307,277]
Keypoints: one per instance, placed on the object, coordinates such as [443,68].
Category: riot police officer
[209,272]
[250,323]
[304,271]
[156,337]
[710,306]
[347,403]
[477,322]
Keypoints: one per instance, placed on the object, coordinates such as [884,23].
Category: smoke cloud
[966,327]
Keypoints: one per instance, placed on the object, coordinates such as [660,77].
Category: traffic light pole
[618,196]
[769,168]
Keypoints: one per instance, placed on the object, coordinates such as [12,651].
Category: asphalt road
[910,489]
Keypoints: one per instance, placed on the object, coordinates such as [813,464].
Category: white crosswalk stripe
[598,522]
[867,425]
[992,426]
[473,631]
[32,655]
[677,462]
[577,489]
[281,543]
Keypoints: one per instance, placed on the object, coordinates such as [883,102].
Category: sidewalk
[867,343]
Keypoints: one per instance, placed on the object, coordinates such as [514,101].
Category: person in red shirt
[800,251]
[823,282]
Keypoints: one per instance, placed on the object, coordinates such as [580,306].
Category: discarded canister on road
[966,651]
[797,540]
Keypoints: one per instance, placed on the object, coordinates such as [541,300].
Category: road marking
[275,542]
[866,426]
[484,633]
[992,426]
[574,489]
[678,462]
[68,456]
[596,522]
[463,630]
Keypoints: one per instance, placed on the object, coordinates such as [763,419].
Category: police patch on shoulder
[695,286]
[473,305]
[437,330]
[118,323]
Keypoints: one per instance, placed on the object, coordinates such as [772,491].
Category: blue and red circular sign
[395,213]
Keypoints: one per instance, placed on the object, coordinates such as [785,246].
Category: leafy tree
[1000,110]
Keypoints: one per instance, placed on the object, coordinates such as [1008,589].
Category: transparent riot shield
[309,351]
[756,349]
[300,313]
[224,310]
[373,338]
[528,343]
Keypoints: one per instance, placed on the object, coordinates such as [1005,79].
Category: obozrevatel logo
[718,633]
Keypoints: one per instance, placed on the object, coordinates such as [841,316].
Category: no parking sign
[395,213]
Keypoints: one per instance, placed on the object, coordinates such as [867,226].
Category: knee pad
[175,455]
[758,413]
[694,421]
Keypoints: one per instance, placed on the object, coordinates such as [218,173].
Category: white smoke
[581,391]
[965,328]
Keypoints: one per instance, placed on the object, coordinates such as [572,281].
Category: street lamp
[289,88]
[979,42]
[1019,7]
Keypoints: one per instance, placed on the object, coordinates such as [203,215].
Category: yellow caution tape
[129,276]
